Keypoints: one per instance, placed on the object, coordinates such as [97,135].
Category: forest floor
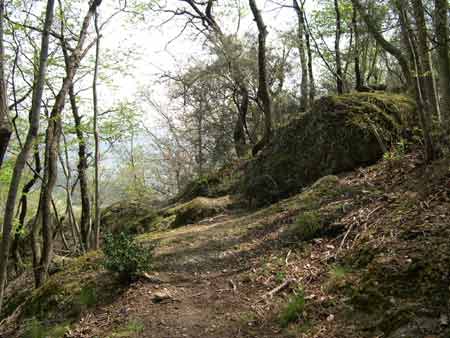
[383,273]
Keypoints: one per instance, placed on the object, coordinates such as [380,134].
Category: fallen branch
[233,285]
[151,279]
[279,288]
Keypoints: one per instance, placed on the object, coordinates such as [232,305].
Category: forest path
[214,276]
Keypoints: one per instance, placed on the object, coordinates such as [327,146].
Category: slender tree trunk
[27,146]
[427,73]
[337,50]
[52,147]
[442,33]
[386,45]
[312,85]
[49,180]
[85,220]
[220,40]
[425,118]
[5,125]
[240,127]
[24,204]
[263,87]
[96,228]
[359,82]
[302,53]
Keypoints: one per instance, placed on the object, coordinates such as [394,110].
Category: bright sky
[152,55]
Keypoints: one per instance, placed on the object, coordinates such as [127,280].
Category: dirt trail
[207,271]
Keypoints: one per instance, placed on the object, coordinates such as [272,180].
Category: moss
[132,328]
[339,134]
[190,212]
[66,294]
[218,183]
[36,329]
[293,310]
[307,225]
[197,209]
[134,217]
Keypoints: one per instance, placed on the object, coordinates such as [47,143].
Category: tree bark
[359,81]
[85,220]
[23,203]
[52,149]
[27,146]
[312,86]
[442,33]
[5,125]
[337,50]
[425,118]
[386,45]
[263,87]
[304,102]
[96,227]
[427,73]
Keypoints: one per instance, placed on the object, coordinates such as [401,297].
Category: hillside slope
[367,253]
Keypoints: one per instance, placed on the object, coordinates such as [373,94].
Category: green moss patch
[128,216]
[65,295]
[339,134]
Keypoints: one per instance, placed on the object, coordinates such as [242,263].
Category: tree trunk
[23,203]
[27,146]
[240,127]
[386,45]
[359,82]
[302,53]
[337,50]
[96,228]
[85,220]
[52,146]
[312,86]
[263,87]
[427,74]
[441,31]
[425,118]
[5,125]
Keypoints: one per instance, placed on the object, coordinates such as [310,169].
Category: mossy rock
[133,217]
[181,214]
[320,207]
[217,183]
[197,209]
[339,134]
[66,294]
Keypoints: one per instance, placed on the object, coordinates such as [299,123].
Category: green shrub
[293,310]
[124,257]
[308,225]
[36,329]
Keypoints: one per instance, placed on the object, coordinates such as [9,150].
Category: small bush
[293,310]
[308,225]
[124,257]
[36,329]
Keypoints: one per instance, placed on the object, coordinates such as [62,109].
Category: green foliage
[280,276]
[307,225]
[133,327]
[397,152]
[125,257]
[6,172]
[88,296]
[293,310]
[36,329]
